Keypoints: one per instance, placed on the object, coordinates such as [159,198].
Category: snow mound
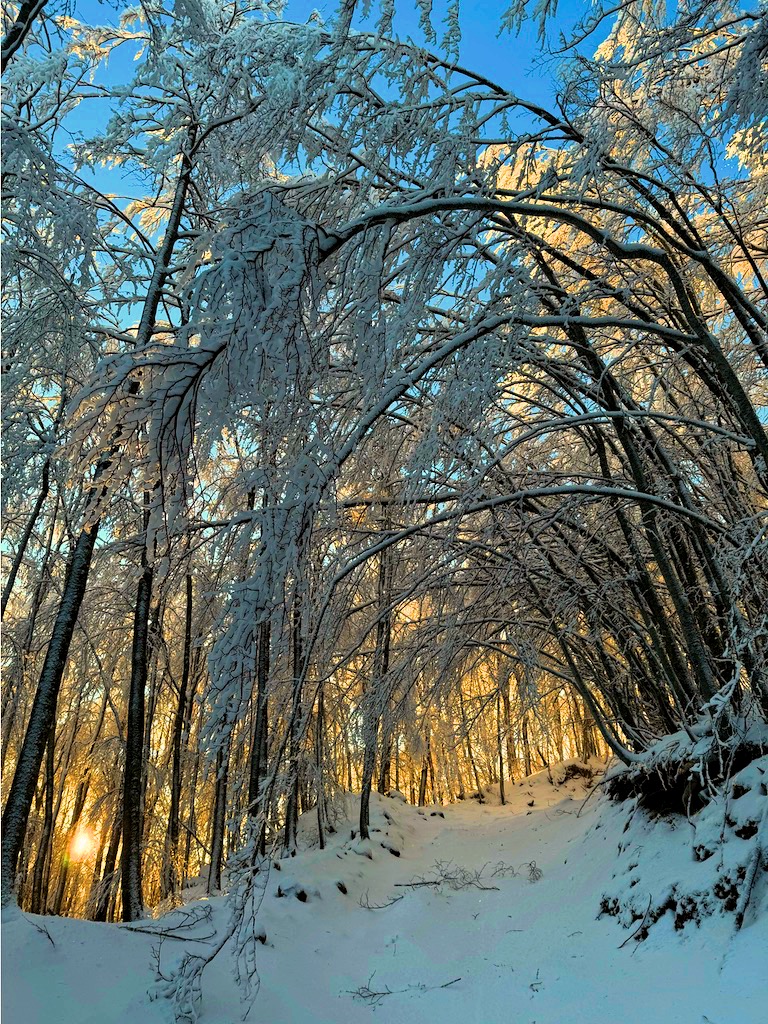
[547,787]
[694,839]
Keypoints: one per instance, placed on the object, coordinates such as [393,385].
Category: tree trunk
[130,864]
[43,714]
[43,859]
[511,753]
[259,744]
[526,748]
[423,779]
[499,738]
[24,540]
[107,884]
[219,820]
[319,759]
[171,876]
[468,741]
[292,806]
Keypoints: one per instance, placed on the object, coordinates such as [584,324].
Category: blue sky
[514,61]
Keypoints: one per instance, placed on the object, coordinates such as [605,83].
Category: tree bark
[42,861]
[130,864]
[375,698]
[219,820]
[43,714]
[171,878]
[259,744]
[107,883]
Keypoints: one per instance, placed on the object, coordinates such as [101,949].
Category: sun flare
[82,845]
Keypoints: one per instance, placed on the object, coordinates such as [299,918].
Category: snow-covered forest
[385,513]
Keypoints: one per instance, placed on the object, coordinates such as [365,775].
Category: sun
[82,845]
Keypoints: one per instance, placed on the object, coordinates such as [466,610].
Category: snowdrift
[693,818]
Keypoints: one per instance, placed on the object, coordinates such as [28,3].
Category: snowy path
[526,953]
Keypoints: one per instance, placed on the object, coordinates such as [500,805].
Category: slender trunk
[130,864]
[423,778]
[499,739]
[93,894]
[292,807]
[319,759]
[348,754]
[375,698]
[528,767]
[171,878]
[107,885]
[43,859]
[511,752]
[25,537]
[468,741]
[260,733]
[219,820]
[191,826]
[385,775]
[43,714]
[437,796]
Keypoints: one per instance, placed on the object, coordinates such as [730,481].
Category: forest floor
[526,948]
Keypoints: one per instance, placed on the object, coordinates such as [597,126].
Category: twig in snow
[167,935]
[455,878]
[503,870]
[534,872]
[365,902]
[640,926]
[592,791]
[41,928]
[374,997]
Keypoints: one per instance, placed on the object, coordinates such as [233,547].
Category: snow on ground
[528,949]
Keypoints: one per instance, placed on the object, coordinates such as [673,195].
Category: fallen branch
[455,878]
[366,904]
[640,926]
[374,997]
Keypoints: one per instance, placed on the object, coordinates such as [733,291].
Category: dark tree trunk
[468,741]
[43,714]
[499,738]
[319,759]
[292,807]
[219,820]
[375,698]
[24,540]
[511,753]
[16,812]
[107,885]
[437,796]
[260,732]
[43,859]
[171,877]
[424,776]
[526,748]
[130,864]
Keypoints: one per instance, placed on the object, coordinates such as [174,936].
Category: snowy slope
[523,951]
